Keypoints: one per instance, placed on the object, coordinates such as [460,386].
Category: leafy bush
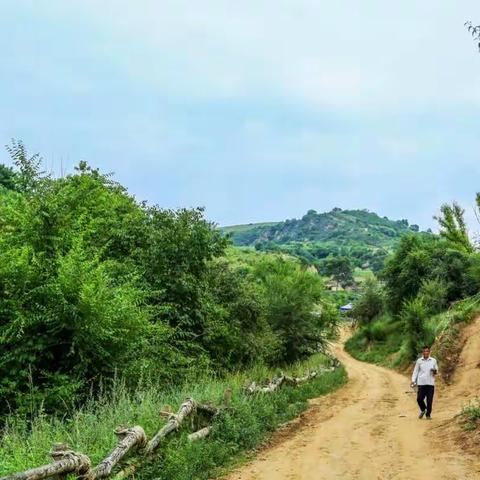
[292,293]
[94,284]
[414,316]
[470,415]
[420,259]
[377,342]
[433,294]
[370,304]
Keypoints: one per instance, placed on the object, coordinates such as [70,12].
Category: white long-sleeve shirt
[422,373]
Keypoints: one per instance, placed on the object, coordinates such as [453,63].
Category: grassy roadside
[89,430]
[382,341]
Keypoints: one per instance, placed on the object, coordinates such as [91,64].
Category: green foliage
[25,441]
[405,271]
[339,268]
[377,342]
[242,334]
[414,315]
[94,284]
[7,177]
[29,175]
[292,293]
[453,227]
[470,415]
[370,304]
[433,294]
[422,258]
[360,235]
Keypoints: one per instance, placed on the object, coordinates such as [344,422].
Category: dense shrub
[370,304]
[420,259]
[292,293]
[414,316]
[94,284]
[433,294]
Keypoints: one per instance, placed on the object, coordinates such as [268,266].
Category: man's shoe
[428,417]
[422,414]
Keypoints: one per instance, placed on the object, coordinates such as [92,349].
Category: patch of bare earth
[369,429]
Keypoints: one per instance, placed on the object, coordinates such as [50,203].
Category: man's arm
[435,367]
[415,373]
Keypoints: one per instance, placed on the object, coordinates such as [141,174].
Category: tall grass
[377,342]
[383,341]
[25,444]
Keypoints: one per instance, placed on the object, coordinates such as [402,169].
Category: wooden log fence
[186,409]
[65,461]
[128,440]
[199,434]
[133,439]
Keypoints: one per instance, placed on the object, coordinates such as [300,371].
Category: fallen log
[295,381]
[64,461]
[273,385]
[276,383]
[202,433]
[128,439]
[186,409]
[251,387]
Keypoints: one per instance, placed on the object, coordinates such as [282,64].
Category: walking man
[424,376]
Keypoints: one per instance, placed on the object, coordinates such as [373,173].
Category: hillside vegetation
[95,285]
[111,309]
[360,235]
[428,287]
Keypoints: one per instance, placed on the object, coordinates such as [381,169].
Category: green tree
[29,173]
[241,334]
[371,303]
[434,294]
[474,31]
[418,259]
[340,268]
[453,226]
[405,271]
[94,283]
[7,177]
[293,294]
[414,316]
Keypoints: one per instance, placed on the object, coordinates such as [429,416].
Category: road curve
[366,430]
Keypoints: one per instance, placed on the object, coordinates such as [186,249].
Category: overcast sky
[257,110]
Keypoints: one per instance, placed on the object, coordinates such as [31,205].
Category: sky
[256,110]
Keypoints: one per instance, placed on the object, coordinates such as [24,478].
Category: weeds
[470,415]
[89,429]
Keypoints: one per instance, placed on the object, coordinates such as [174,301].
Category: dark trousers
[425,391]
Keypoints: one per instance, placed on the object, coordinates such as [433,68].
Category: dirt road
[369,430]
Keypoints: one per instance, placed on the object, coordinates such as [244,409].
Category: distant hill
[362,235]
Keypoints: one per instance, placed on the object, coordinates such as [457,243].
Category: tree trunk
[128,439]
[186,409]
[202,433]
[65,461]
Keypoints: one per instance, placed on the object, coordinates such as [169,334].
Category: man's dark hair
[425,346]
